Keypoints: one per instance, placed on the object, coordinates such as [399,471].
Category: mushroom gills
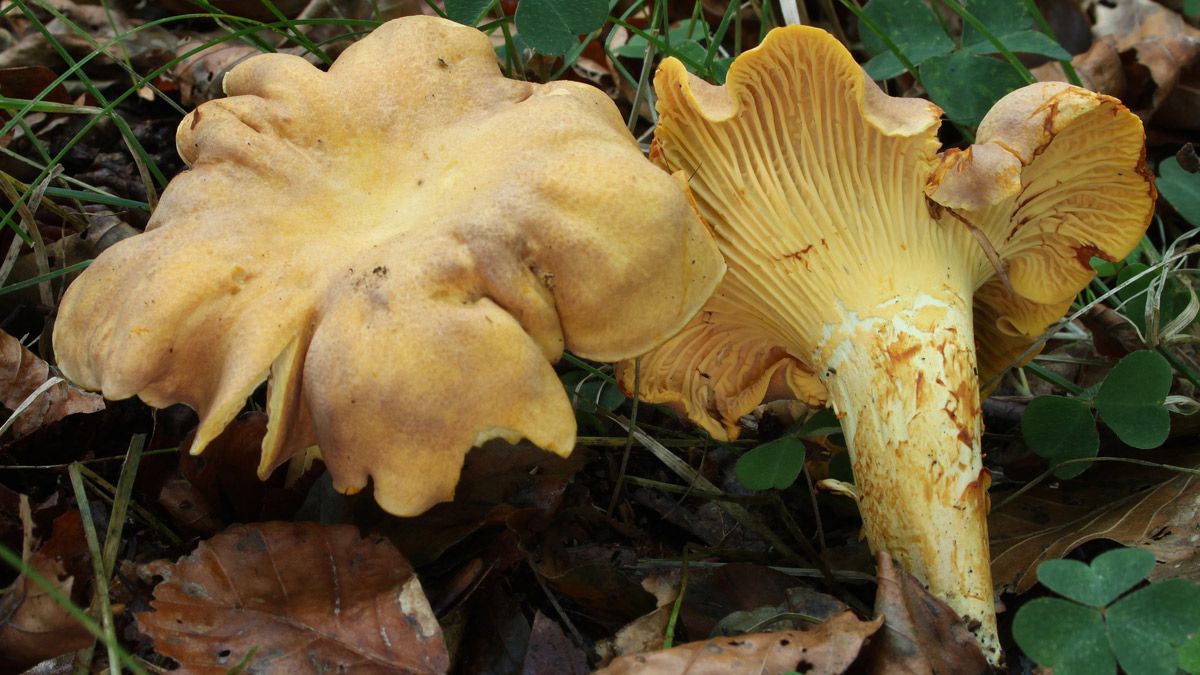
[902,378]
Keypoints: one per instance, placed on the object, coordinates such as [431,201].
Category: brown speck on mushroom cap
[398,326]
[865,271]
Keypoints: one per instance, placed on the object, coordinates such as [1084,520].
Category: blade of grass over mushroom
[494,289]
[854,276]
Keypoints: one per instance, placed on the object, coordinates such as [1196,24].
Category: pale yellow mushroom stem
[901,377]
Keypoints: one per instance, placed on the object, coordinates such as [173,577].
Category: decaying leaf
[829,648]
[221,486]
[551,652]
[200,76]
[920,633]
[646,632]
[33,627]
[21,374]
[1134,506]
[1161,44]
[292,597]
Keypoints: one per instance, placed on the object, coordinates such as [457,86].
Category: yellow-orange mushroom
[402,245]
[869,272]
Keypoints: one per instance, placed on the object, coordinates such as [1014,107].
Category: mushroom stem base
[902,378]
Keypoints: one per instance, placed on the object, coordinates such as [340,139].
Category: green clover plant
[1098,623]
[778,463]
[1131,401]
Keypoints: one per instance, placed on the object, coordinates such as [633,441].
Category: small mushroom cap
[403,245]
[827,195]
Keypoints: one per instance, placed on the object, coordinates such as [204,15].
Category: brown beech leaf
[920,633]
[1162,44]
[646,632]
[1131,505]
[33,627]
[222,485]
[1099,69]
[295,597]
[551,652]
[201,75]
[30,81]
[827,649]
[21,373]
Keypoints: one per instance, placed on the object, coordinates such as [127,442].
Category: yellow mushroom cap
[814,182]
[403,245]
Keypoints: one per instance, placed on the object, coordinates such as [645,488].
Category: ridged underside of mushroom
[815,184]
[403,245]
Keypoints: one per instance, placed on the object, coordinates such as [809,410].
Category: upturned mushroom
[402,246]
[871,273]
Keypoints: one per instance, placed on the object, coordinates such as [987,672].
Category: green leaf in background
[1012,24]
[1180,188]
[1189,655]
[1023,42]
[1059,429]
[966,86]
[824,422]
[635,47]
[467,12]
[1191,8]
[553,26]
[1148,628]
[911,26]
[1103,267]
[1131,399]
[1151,631]
[776,464]
[690,51]
[1110,574]
[720,69]
[1064,635]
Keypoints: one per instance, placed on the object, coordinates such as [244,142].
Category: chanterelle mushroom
[863,271]
[403,244]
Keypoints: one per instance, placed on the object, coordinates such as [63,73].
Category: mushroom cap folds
[869,271]
[402,245]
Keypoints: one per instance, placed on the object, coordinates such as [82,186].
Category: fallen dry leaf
[646,632]
[828,648]
[21,373]
[200,76]
[1099,68]
[33,627]
[222,486]
[295,597]
[920,634]
[712,594]
[551,652]
[1131,505]
[1164,44]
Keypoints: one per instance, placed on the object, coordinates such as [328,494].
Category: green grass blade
[54,274]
